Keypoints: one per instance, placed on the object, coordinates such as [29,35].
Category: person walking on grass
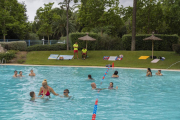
[75,46]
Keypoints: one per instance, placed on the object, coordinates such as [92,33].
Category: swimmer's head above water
[44,83]
[93,85]
[66,92]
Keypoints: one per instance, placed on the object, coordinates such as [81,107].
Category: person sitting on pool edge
[20,74]
[32,73]
[115,74]
[45,90]
[90,78]
[111,86]
[149,73]
[84,53]
[159,73]
[15,74]
[33,96]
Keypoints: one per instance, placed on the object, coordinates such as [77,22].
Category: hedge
[176,48]
[161,45]
[54,47]
[15,45]
[101,43]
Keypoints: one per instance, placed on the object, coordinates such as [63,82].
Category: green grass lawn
[96,59]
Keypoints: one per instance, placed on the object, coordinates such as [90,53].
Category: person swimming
[32,73]
[149,73]
[45,90]
[20,74]
[33,96]
[93,86]
[111,86]
[90,77]
[115,74]
[66,94]
[15,74]
[159,73]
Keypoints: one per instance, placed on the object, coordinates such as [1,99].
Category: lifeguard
[75,46]
[84,53]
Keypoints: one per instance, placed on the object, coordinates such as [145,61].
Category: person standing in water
[32,73]
[45,90]
[149,73]
[15,74]
[111,86]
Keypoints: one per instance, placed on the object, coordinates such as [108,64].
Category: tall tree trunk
[4,37]
[67,26]
[133,42]
[48,39]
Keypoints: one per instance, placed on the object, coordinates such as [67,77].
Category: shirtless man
[15,74]
[32,73]
[20,74]
[93,85]
[159,73]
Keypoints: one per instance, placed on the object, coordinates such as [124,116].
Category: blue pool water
[138,97]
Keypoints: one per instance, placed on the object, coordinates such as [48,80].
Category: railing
[35,42]
[3,61]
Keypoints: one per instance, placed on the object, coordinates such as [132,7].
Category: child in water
[33,96]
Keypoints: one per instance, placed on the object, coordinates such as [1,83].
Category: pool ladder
[3,61]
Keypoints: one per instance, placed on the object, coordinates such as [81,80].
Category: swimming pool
[138,97]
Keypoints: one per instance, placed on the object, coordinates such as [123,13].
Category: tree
[13,17]
[133,42]
[100,15]
[46,17]
[66,5]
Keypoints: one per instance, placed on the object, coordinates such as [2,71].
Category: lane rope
[96,102]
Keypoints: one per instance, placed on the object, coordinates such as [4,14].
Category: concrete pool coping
[91,67]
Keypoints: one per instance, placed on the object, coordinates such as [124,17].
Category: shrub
[15,45]
[176,48]
[20,61]
[7,56]
[102,43]
[54,47]
[163,45]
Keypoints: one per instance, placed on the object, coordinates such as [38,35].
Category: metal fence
[35,42]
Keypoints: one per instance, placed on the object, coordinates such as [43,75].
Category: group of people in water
[149,73]
[45,90]
[20,73]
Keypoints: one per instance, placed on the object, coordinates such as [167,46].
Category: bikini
[47,93]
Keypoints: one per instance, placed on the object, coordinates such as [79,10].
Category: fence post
[29,42]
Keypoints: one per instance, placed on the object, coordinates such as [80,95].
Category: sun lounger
[143,57]
[65,57]
[112,58]
[155,60]
[53,56]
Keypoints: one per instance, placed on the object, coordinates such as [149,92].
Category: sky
[33,5]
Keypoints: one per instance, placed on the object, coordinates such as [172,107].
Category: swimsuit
[47,94]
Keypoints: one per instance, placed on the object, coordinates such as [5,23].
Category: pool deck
[92,67]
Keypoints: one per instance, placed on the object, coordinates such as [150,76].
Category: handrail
[3,60]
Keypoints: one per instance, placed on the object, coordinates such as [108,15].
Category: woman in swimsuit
[45,90]
[149,73]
